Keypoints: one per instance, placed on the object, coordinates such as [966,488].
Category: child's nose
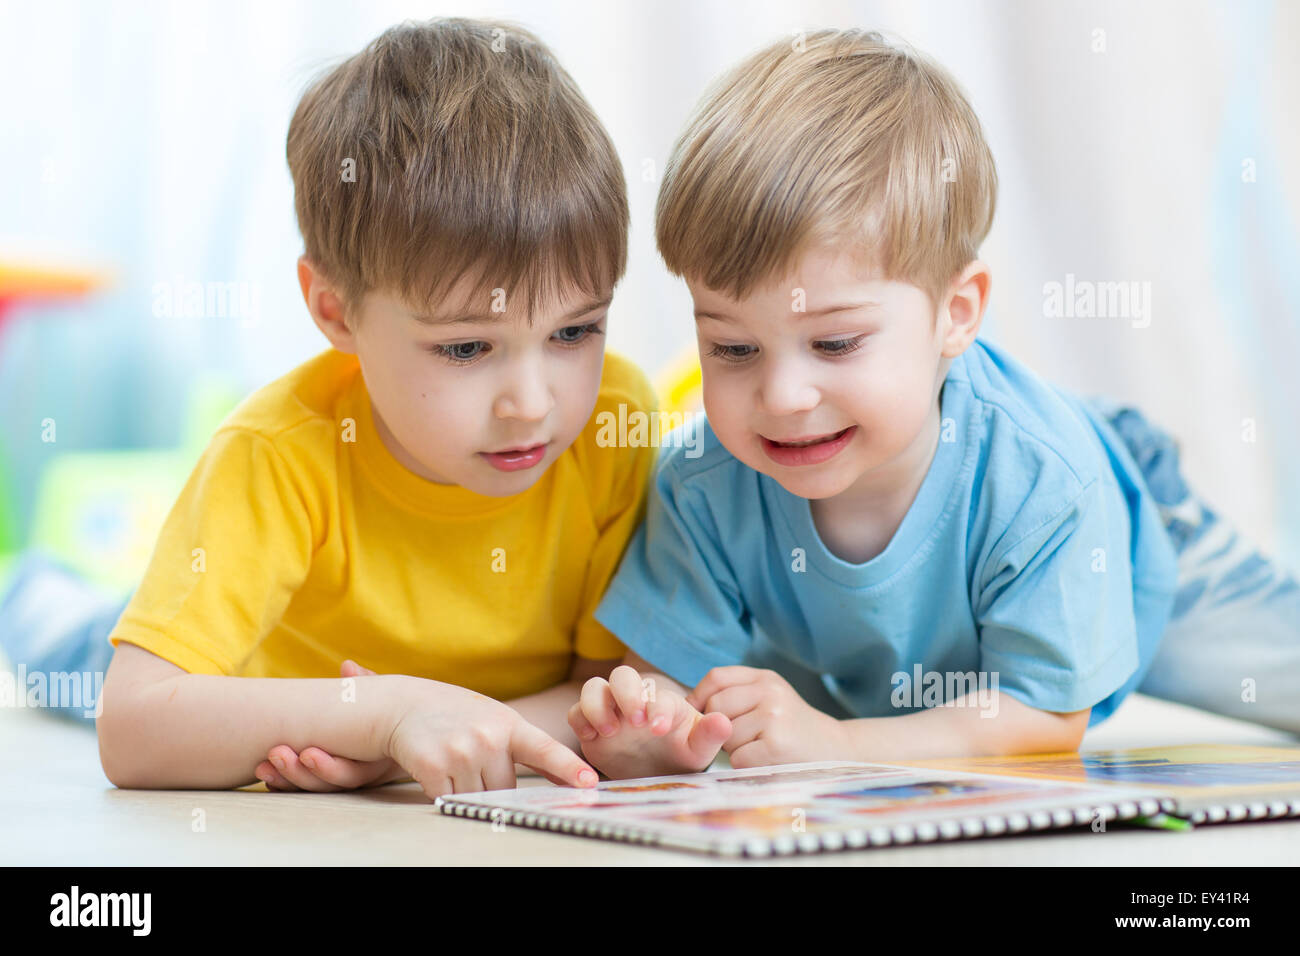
[786,392]
[526,397]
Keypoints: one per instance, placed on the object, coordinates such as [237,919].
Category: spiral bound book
[808,808]
[1212,783]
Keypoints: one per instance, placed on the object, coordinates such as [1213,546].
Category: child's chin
[808,481]
[503,484]
[809,485]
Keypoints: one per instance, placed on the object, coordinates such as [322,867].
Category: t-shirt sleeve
[1055,616]
[675,600]
[233,550]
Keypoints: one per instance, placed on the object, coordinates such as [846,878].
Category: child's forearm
[1010,727]
[205,732]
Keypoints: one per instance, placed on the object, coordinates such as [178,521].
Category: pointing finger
[535,748]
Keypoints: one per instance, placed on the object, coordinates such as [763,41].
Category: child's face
[860,377]
[486,404]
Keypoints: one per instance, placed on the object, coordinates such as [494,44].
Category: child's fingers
[752,753]
[535,748]
[719,678]
[267,773]
[598,706]
[436,785]
[708,735]
[580,724]
[629,694]
[466,778]
[286,761]
[351,669]
[342,771]
[744,729]
[500,773]
[664,711]
[734,701]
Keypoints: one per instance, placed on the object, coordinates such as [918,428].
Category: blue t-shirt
[1033,549]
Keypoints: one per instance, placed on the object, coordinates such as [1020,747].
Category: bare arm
[1009,728]
[165,728]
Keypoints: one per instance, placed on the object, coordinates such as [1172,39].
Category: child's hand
[316,771]
[771,723]
[319,772]
[453,740]
[488,745]
[630,729]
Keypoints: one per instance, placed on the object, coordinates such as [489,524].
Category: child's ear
[967,298]
[325,306]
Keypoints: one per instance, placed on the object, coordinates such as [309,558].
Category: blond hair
[473,154]
[838,138]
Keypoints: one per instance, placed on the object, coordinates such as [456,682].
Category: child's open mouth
[808,450]
[515,459]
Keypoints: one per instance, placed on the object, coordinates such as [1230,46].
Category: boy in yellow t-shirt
[429,496]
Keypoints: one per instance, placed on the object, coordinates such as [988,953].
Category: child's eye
[573,334]
[461,353]
[841,346]
[731,353]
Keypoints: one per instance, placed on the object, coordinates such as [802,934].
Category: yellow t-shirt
[292,548]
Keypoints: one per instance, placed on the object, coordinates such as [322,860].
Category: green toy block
[101,512]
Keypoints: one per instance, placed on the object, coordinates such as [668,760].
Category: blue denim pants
[1232,645]
[55,624]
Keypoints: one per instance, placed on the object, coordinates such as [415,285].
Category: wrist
[845,740]
[863,742]
[395,695]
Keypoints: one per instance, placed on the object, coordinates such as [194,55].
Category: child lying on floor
[891,514]
[429,496]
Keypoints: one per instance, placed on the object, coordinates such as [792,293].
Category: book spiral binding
[1234,812]
[898,834]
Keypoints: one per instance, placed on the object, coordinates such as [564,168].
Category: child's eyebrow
[817,313]
[471,317]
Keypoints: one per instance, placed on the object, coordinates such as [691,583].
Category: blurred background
[142,156]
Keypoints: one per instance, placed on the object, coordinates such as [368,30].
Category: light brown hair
[475,155]
[838,138]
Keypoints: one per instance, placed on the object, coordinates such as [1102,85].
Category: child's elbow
[109,761]
[121,757]
[1062,734]
[1075,725]
[112,755]
[1035,731]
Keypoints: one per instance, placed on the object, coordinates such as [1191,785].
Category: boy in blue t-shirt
[890,514]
